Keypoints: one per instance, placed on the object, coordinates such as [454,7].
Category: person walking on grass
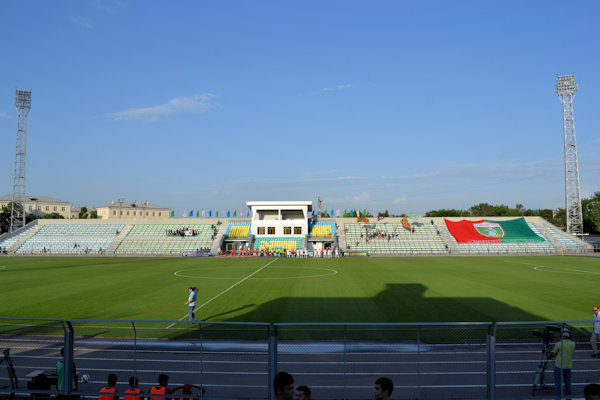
[191,303]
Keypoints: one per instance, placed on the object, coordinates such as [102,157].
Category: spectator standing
[563,364]
[60,371]
[596,332]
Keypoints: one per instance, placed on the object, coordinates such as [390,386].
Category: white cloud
[197,104]
[364,196]
[401,199]
[4,114]
[83,22]
[337,87]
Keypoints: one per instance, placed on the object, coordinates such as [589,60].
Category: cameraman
[563,351]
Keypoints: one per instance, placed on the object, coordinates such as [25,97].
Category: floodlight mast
[566,88]
[17,213]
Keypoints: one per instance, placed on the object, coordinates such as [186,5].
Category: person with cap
[563,363]
[595,332]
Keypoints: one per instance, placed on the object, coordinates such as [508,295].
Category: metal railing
[336,360]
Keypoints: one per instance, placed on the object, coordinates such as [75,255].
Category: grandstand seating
[534,236]
[9,242]
[323,229]
[238,229]
[569,243]
[424,240]
[161,239]
[71,239]
[278,243]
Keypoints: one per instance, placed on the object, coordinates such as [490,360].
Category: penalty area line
[226,290]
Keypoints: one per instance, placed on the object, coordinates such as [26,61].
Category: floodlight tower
[566,88]
[17,213]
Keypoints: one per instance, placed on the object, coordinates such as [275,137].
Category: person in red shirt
[161,389]
[133,390]
[107,392]
[186,392]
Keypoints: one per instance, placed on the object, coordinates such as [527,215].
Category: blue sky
[404,106]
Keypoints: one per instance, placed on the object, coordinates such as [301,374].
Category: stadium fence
[336,360]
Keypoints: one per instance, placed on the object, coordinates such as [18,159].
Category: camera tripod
[14,383]
[540,373]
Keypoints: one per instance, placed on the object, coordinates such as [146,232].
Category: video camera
[547,335]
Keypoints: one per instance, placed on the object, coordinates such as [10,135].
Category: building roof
[39,199]
[274,205]
[131,205]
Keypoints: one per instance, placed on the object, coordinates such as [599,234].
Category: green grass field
[445,289]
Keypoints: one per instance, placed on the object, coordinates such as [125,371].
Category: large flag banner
[405,223]
[488,231]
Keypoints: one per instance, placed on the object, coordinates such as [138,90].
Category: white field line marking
[2,266]
[226,290]
[329,270]
[560,270]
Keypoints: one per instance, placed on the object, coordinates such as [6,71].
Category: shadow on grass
[228,312]
[398,303]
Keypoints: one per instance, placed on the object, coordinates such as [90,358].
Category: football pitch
[444,289]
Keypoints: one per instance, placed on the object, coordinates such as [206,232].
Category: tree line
[590,208]
[5,216]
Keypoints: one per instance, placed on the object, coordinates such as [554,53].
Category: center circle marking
[327,272]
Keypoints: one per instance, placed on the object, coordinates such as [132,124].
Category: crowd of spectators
[287,253]
[183,231]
